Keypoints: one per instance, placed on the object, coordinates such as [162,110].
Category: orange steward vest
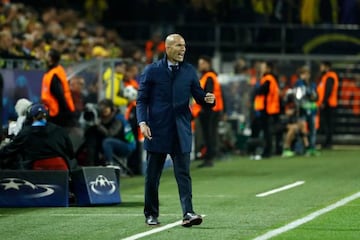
[150,48]
[321,88]
[272,99]
[46,96]
[128,111]
[219,106]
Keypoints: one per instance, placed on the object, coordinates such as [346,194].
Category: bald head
[175,48]
[172,38]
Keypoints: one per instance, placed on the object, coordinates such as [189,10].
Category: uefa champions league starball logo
[25,188]
[102,186]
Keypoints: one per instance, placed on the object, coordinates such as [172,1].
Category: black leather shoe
[191,219]
[152,221]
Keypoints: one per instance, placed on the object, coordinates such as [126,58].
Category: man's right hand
[145,130]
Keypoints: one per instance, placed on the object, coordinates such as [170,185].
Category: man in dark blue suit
[164,118]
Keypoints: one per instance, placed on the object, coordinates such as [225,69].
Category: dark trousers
[276,128]
[155,164]
[135,159]
[310,120]
[254,142]
[268,125]
[92,145]
[327,125]
[113,146]
[209,122]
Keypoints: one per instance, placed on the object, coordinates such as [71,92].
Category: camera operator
[108,133]
[301,110]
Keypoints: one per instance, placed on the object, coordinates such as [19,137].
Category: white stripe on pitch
[308,218]
[155,230]
[286,187]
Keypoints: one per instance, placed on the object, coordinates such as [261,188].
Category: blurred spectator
[294,126]
[55,92]
[308,107]
[95,9]
[241,67]
[7,13]
[114,43]
[6,45]
[209,116]
[309,12]
[327,90]
[300,111]
[92,92]
[114,83]
[154,48]
[111,135]
[267,110]
[23,45]
[263,9]
[21,108]
[131,75]
[350,93]
[99,51]
[39,49]
[77,85]
[135,158]
[40,146]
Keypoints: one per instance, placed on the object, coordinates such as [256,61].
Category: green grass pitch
[226,194]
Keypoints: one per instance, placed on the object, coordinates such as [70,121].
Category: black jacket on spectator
[35,143]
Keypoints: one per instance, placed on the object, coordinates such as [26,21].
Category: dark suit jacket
[163,103]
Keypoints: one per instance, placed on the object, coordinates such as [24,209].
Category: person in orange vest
[267,109]
[327,90]
[154,48]
[209,117]
[56,93]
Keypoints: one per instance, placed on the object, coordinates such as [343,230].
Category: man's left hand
[209,98]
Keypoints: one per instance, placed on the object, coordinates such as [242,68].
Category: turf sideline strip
[308,218]
[155,230]
[85,215]
[286,187]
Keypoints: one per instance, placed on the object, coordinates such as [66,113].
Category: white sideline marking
[308,218]
[286,187]
[155,230]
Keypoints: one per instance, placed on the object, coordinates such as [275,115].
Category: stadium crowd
[27,33]
[88,30]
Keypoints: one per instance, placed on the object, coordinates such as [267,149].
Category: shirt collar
[171,64]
